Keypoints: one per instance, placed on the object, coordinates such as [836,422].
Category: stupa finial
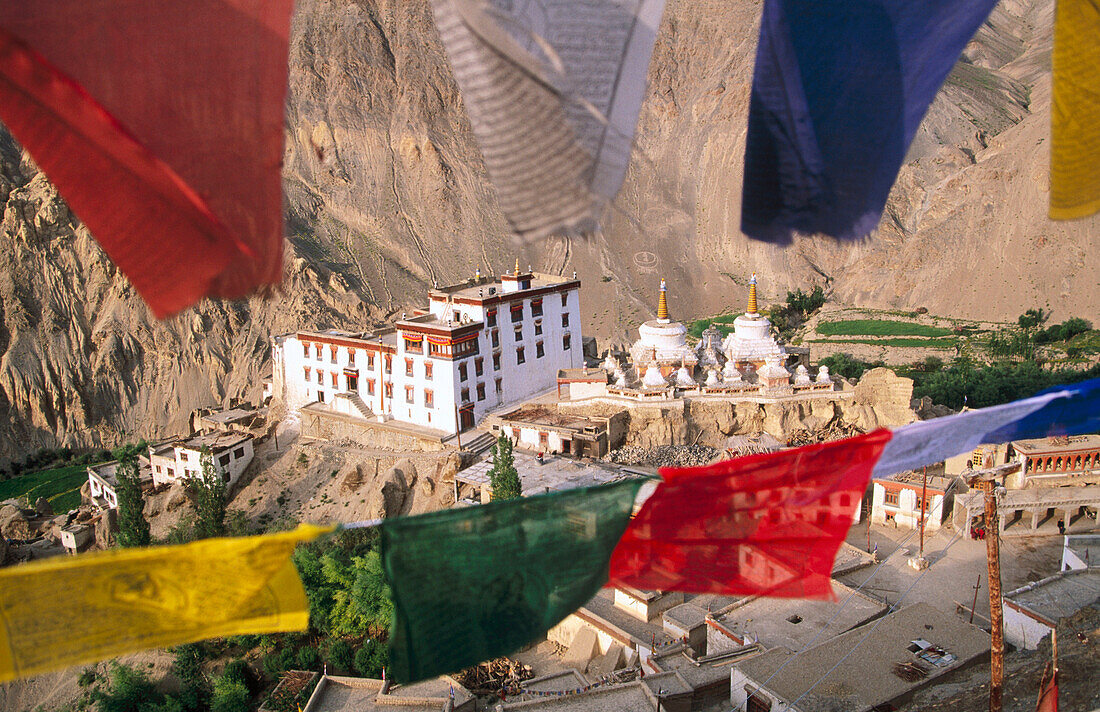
[662,303]
[753,309]
[517,267]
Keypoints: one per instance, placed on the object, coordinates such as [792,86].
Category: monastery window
[479,366]
[519,355]
[539,350]
[538,328]
[429,398]
[224,460]
[158,469]
[536,307]
[435,349]
[466,348]
[408,367]
[335,380]
[332,354]
[1077,463]
[414,344]
[370,362]
[389,363]
[238,453]
[185,456]
[320,377]
[566,342]
[409,394]
[544,440]
[428,365]
[500,388]
[465,395]
[496,339]
[370,387]
[462,372]
[388,390]
[564,298]
[481,391]
[171,472]
[351,357]
[518,332]
[491,317]
[317,351]
[305,349]
[891,498]
[496,362]
[517,312]
[1058,464]
[565,320]
[308,370]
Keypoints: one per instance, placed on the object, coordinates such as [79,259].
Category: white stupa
[712,377]
[653,378]
[684,379]
[823,375]
[663,345]
[751,344]
[802,376]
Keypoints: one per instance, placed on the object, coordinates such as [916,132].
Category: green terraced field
[879,327]
[898,343]
[60,486]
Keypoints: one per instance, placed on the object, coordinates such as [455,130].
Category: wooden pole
[977,587]
[923,499]
[458,427]
[996,616]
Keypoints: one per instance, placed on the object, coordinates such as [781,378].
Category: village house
[1032,611]
[1080,551]
[231,451]
[335,693]
[542,429]
[896,500]
[885,661]
[478,346]
[103,481]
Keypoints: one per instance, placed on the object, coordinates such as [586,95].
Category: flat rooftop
[217,442]
[485,288]
[107,471]
[588,375]
[535,414]
[794,622]
[1058,443]
[233,415]
[359,694]
[911,478]
[1085,546]
[628,697]
[553,475]
[866,678]
[1060,595]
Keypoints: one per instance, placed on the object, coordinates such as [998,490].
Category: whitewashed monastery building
[478,346]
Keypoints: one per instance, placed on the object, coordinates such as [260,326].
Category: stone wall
[336,426]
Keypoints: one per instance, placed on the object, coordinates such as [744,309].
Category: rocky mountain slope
[386,194]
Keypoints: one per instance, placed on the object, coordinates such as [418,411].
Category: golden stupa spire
[662,303]
[752,295]
[517,267]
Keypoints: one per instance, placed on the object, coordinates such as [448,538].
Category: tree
[503,478]
[1033,318]
[133,528]
[210,499]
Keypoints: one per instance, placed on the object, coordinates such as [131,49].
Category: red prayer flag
[161,124]
[762,525]
[1048,691]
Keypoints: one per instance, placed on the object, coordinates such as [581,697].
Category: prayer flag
[553,89]
[161,124]
[70,610]
[839,89]
[1075,111]
[1061,410]
[474,583]
[761,525]
[1048,690]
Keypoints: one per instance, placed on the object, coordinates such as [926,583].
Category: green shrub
[276,663]
[340,654]
[371,657]
[230,695]
[307,658]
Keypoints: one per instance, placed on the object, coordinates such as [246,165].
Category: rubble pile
[492,676]
[664,455]
[837,430]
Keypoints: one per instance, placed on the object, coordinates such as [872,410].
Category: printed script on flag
[71,610]
[761,525]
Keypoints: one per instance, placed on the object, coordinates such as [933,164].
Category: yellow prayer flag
[1075,112]
[70,610]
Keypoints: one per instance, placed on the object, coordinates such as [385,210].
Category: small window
[305,349]
[518,335]
[429,398]
[409,394]
[519,355]
[491,317]
[224,460]
[225,477]
[565,320]
[308,372]
[158,469]
[388,389]
[370,386]
[517,312]
[462,372]
[500,388]
[238,453]
[891,498]
[428,365]
[565,342]
[496,339]
[185,456]
[564,298]
[370,362]
[539,351]
[496,362]
[544,440]
[332,354]
[320,378]
[538,328]
[317,351]
[389,363]
[465,395]
[479,366]
[481,391]
[335,380]
[351,357]
[408,367]
[536,307]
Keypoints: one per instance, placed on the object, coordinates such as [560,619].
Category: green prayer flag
[475,583]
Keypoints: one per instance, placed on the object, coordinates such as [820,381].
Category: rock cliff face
[386,193]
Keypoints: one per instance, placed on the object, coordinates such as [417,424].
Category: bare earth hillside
[386,193]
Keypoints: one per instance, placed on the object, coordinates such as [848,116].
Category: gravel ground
[664,455]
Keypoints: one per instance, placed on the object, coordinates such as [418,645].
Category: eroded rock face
[883,400]
[14,524]
[388,494]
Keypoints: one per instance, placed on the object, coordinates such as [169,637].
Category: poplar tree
[133,528]
[503,478]
[210,499]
